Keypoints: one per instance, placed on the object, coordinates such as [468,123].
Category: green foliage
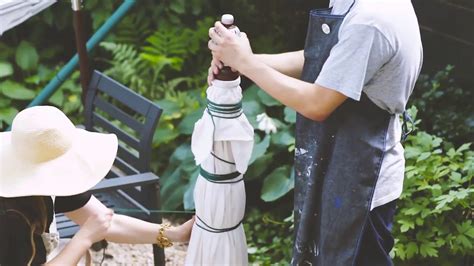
[270,240]
[176,179]
[26,56]
[434,218]
[15,95]
[6,69]
[277,183]
[447,109]
[126,66]
[16,91]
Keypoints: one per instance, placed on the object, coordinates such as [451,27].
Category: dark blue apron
[337,162]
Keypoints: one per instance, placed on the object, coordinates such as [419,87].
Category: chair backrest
[114,108]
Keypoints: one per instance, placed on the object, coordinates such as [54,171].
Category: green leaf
[406,225]
[174,199]
[72,104]
[26,56]
[283,138]
[188,198]
[57,98]
[463,147]
[260,165]
[164,134]
[181,154]
[252,108]
[186,126]
[267,99]
[171,109]
[260,149]
[413,211]
[6,69]
[428,250]
[423,156]
[5,102]
[290,115]
[462,239]
[177,6]
[277,184]
[250,94]
[411,250]
[470,233]
[7,114]
[16,91]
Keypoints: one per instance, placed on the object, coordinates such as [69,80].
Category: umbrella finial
[226,73]
[227,20]
[76,5]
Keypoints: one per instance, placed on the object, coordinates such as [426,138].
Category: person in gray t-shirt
[379,54]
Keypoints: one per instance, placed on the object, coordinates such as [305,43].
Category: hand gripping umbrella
[222,144]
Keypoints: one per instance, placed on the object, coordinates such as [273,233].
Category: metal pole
[67,70]
[84,68]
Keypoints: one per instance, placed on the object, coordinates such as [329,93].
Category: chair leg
[158,255]
[153,192]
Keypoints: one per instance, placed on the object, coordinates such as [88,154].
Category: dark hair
[32,211]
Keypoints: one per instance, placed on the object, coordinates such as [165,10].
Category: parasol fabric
[222,144]
[14,12]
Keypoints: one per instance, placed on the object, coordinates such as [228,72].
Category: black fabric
[337,163]
[15,242]
[377,239]
[71,203]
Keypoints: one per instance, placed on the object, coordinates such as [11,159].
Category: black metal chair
[114,108]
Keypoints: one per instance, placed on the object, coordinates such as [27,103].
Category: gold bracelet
[161,240]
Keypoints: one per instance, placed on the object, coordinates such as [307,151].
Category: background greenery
[160,50]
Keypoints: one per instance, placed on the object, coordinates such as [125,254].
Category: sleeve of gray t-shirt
[361,51]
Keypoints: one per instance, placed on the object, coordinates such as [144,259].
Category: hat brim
[89,159]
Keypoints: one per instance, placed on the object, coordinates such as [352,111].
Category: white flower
[265,123]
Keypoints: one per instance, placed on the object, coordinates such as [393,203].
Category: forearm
[290,63]
[309,99]
[125,229]
[72,252]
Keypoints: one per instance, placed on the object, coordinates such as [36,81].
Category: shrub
[447,110]
[433,224]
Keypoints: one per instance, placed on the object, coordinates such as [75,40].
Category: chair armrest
[125,181]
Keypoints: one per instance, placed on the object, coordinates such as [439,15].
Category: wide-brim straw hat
[46,155]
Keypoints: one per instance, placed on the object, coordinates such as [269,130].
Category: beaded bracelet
[161,240]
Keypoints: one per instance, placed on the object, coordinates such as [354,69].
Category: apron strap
[405,129]
[353,3]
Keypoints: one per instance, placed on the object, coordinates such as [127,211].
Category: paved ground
[124,254]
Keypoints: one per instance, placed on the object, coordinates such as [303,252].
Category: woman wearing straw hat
[46,166]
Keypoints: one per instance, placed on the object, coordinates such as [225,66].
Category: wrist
[249,65]
[82,241]
[172,234]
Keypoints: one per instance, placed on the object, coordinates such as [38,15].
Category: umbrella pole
[84,68]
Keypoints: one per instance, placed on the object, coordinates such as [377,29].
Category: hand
[96,226]
[213,70]
[228,48]
[181,233]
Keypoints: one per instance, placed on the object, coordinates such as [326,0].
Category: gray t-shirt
[379,53]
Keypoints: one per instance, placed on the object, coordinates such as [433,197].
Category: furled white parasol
[222,144]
